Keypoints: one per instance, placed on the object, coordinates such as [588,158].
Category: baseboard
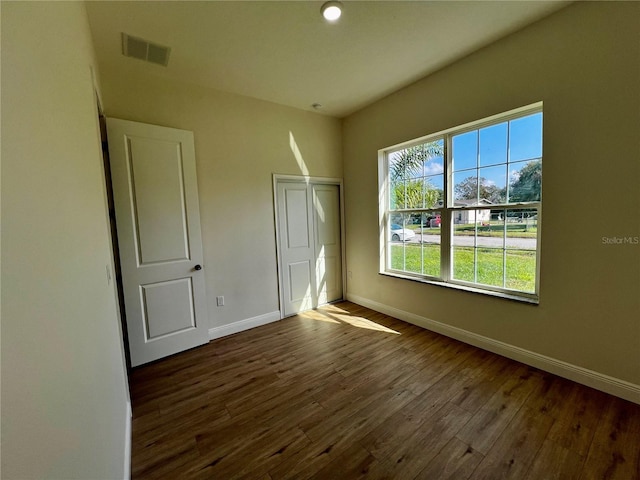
[590,378]
[242,325]
[127,442]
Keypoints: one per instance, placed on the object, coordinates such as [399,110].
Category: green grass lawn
[425,259]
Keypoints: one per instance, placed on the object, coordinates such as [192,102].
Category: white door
[296,248]
[310,248]
[327,245]
[158,221]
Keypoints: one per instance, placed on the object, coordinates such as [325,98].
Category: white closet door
[310,249]
[328,247]
[296,248]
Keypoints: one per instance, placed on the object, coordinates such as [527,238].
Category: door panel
[167,308]
[158,221]
[297,208]
[158,196]
[328,245]
[300,279]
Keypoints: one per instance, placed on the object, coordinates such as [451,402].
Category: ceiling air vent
[143,50]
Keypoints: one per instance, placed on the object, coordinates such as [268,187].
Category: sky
[517,141]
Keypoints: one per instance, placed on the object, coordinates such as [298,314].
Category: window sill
[530,299]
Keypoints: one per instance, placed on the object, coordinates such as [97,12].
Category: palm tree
[407,163]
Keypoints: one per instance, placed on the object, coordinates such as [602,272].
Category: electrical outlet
[220,301]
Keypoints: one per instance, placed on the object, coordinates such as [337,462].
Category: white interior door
[327,244]
[310,248]
[296,247]
[158,221]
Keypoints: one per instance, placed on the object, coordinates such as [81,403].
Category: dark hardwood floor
[345,392]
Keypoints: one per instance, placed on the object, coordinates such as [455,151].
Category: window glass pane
[398,235]
[396,256]
[398,166]
[490,266]
[433,191]
[465,150]
[431,255]
[465,187]
[413,257]
[434,165]
[431,222]
[525,138]
[409,163]
[414,223]
[461,225]
[396,195]
[398,229]
[463,263]
[493,144]
[465,223]
[521,270]
[410,194]
[493,184]
[522,229]
[490,230]
[525,181]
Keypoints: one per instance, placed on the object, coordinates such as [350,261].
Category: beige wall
[584,63]
[240,142]
[64,394]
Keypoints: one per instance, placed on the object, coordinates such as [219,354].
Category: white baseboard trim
[127,442]
[242,325]
[614,386]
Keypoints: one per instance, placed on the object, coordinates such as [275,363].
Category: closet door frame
[308,180]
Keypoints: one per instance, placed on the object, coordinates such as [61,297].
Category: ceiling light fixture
[331,11]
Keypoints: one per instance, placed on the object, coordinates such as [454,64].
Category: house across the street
[472,216]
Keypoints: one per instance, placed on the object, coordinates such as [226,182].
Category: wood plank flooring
[345,392]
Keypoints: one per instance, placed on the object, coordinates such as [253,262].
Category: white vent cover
[143,50]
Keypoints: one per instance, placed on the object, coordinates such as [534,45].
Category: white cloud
[433,168]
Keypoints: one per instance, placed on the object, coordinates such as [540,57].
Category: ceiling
[285,52]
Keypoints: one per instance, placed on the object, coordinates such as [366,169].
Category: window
[462,207]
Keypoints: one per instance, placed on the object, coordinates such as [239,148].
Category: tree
[408,163]
[405,165]
[468,190]
[528,184]
[414,194]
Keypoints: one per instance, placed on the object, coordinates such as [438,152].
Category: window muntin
[486,234]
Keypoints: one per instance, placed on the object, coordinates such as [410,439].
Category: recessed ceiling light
[331,11]
[317,106]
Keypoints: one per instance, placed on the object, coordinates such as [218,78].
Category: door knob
[197,267]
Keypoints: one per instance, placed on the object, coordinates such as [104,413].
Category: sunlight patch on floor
[314,315]
[361,322]
[333,309]
[333,314]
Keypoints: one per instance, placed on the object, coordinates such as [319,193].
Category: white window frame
[448,210]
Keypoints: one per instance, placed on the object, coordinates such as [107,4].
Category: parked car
[401,234]
[433,221]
